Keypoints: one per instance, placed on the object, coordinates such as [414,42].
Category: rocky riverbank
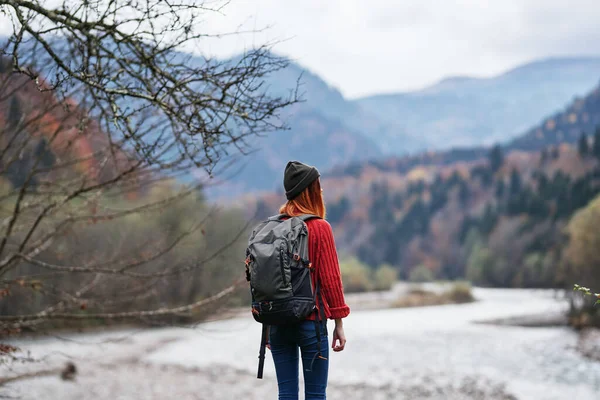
[115,365]
[130,379]
[407,353]
[589,343]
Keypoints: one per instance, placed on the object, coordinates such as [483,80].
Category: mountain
[493,215]
[579,117]
[322,128]
[497,220]
[312,138]
[30,122]
[460,113]
[465,111]
[325,130]
[44,139]
[330,131]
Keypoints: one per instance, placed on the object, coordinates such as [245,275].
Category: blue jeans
[285,342]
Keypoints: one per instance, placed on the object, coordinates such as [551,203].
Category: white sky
[372,46]
[364,47]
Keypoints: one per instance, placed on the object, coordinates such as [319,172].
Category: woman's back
[309,337]
[323,254]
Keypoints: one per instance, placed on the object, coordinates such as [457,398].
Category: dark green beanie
[298,177]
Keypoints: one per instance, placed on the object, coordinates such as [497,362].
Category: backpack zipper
[281,266]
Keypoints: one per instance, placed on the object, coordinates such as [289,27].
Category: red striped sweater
[323,255]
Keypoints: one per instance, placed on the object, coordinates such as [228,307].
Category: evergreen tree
[488,220]
[596,146]
[543,183]
[5,65]
[583,145]
[398,201]
[496,158]
[337,211]
[485,175]
[500,189]
[454,179]
[43,153]
[515,182]
[15,113]
[543,156]
[464,193]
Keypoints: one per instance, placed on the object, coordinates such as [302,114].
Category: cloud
[384,46]
[388,46]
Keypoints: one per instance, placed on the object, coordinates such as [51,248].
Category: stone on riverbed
[138,380]
[589,343]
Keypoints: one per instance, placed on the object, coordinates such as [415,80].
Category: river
[440,352]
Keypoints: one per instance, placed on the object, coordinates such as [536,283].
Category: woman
[304,194]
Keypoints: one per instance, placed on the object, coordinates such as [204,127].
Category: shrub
[460,293]
[355,276]
[420,274]
[384,277]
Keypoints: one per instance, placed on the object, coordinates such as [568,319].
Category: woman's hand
[339,337]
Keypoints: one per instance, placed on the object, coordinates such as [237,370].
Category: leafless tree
[100,113]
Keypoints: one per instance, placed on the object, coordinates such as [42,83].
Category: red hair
[310,201]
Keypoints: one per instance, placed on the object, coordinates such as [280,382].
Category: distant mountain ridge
[324,130]
[458,111]
[579,116]
[495,216]
[465,111]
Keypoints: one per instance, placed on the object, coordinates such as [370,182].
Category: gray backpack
[279,272]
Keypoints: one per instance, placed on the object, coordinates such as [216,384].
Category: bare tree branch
[104,124]
[131,314]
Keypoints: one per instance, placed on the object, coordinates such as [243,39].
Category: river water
[440,346]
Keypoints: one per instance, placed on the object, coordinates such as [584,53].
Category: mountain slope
[38,131]
[325,130]
[471,111]
[581,116]
[319,133]
[497,223]
[495,216]
[312,138]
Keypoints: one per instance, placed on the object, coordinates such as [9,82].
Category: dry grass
[459,293]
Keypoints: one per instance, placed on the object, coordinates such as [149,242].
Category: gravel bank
[589,343]
[137,380]
[115,366]
[424,353]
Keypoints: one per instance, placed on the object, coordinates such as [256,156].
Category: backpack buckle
[247,263]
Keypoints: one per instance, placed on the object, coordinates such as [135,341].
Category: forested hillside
[330,130]
[92,226]
[467,111]
[582,115]
[493,215]
[324,128]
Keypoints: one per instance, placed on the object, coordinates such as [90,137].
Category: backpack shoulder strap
[261,354]
[303,217]
[306,217]
[276,217]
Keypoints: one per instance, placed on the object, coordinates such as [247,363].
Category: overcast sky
[364,47]
[373,46]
